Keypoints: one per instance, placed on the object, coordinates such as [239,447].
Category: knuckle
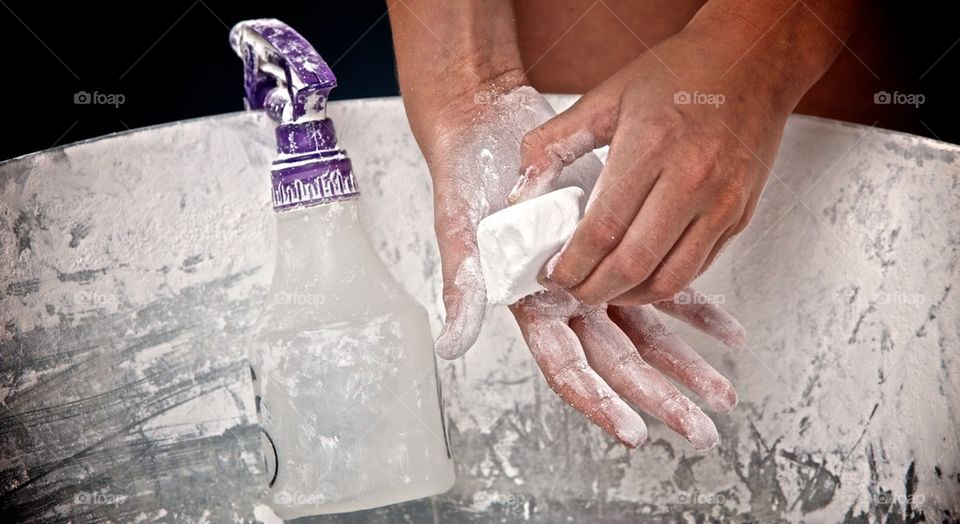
[534,141]
[744,221]
[564,374]
[663,122]
[727,209]
[634,262]
[739,226]
[669,403]
[605,230]
[665,287]
[653,135]
[698,177]
[733,195]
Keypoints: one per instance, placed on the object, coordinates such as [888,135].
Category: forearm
[448,50]
[781,44]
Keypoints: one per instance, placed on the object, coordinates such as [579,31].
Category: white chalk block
[517,241]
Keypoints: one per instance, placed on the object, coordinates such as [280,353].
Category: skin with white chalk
[599,359]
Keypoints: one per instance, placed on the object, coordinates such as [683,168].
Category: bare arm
[448,51]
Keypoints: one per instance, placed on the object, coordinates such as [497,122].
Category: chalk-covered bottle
[345,378]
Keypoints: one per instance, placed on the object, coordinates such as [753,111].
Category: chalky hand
[597,358]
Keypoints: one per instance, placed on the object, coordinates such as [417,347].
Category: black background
[171,60]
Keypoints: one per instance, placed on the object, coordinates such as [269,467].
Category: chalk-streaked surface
[131,269]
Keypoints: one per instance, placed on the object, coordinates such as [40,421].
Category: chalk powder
[516,242]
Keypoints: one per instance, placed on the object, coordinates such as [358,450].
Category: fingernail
[514,195]
[737,339]
[633,437]
[729,329]
[543,277]
[723,398]
[549,285]
[703,435]
[551,266]
[631,431]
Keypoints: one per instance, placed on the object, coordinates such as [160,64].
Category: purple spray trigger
[275,56]
[284,75]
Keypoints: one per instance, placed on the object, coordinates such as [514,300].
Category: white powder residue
[264,514]
[537,180]
[516,242]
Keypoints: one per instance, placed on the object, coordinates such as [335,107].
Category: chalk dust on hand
[484,170]
[473,176]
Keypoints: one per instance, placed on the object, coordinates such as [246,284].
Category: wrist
[454,93]
[775,49]
[449,51]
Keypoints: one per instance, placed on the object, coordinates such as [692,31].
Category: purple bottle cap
[306,137]
[314,182]
[285,75]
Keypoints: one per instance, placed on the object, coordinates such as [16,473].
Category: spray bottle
[344,374]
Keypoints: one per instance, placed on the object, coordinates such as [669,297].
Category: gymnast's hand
[597,358]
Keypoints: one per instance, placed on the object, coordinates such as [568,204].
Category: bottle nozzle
[283,73]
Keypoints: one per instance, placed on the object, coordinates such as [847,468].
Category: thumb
[465,299]
[558,142]
[464,291]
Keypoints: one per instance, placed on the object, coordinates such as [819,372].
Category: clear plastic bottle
[344,374]
[347,387]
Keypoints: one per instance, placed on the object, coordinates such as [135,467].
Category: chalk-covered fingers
[702,312]
[464,291]
[674,357]
[613,355]
[561,359]
[620,191]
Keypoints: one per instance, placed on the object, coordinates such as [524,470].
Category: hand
[691,145]
[593,357]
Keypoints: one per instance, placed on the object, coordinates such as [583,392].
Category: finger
[674,357]
[613,204]
[731,232]
[717,250]
[699,311]
[677,269]
[728,236]
[611,353]
[557,143]
[654,231]
[464,291]
[464,299]
[560,357]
